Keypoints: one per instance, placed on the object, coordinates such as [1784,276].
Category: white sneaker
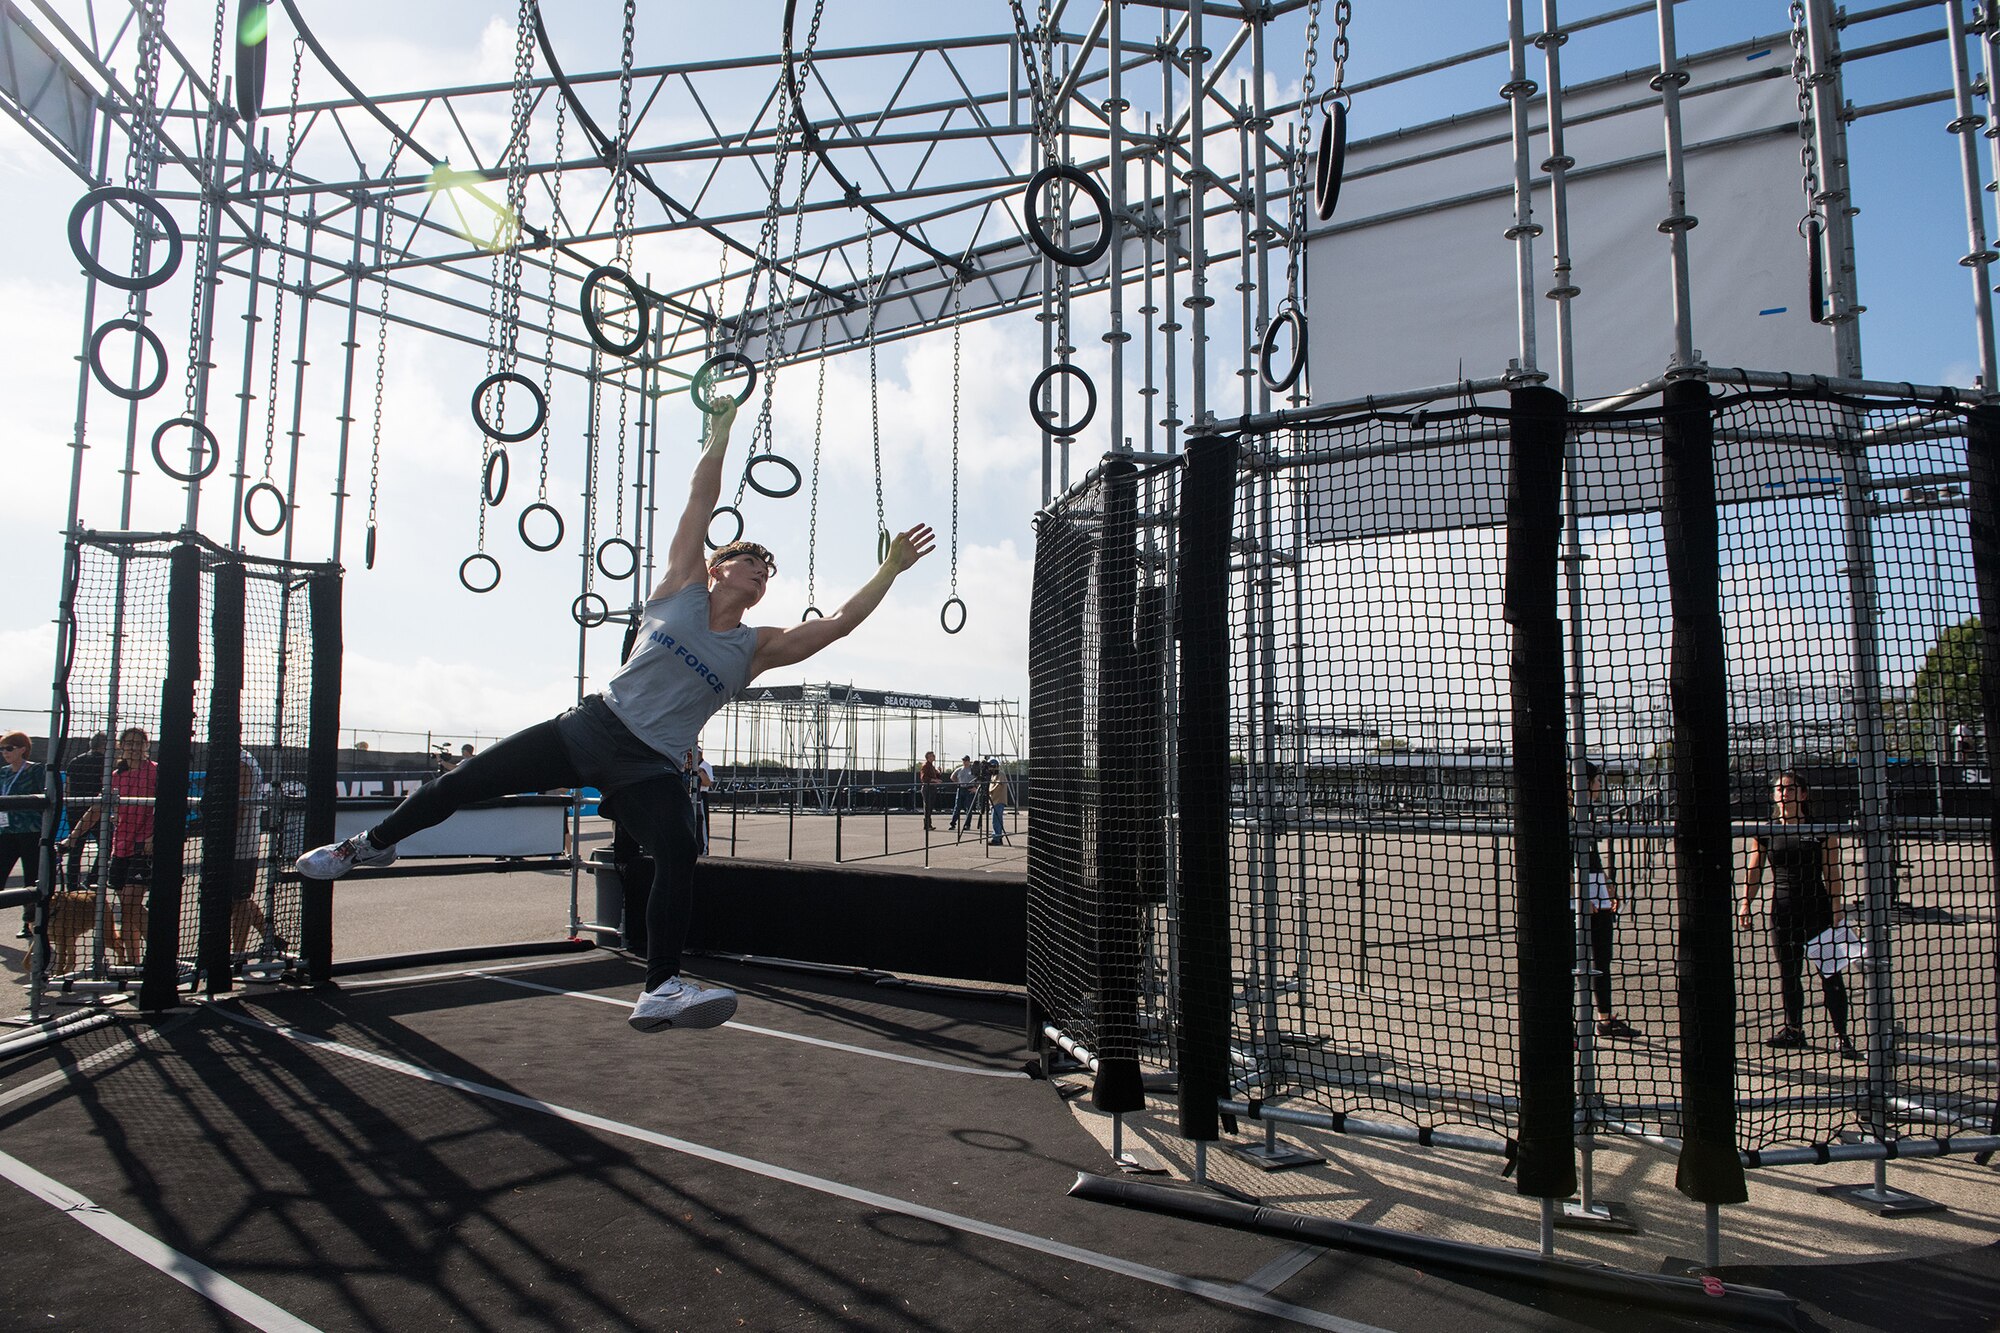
[682,1004]
[336,859]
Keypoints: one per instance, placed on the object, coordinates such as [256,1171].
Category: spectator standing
[999,797]
[964,780]
[928,779]
[133,785]
[20,830]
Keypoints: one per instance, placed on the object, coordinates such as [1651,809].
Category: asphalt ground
[463,1149]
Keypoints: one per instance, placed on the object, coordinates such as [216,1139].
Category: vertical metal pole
[1197,176]
[1830,135]
[1558,164]
[593,382]
[1668,83]
[1115,107]
[1247,228]
[1148,389]
[1169,323]
[346,417]
[251,319]
[1518,90]
[1979,257]
[299,363]
[204,297]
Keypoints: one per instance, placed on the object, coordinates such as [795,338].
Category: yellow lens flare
[483,221]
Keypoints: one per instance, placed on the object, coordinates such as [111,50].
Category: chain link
[957,324]
[549,334]
[1038,54]
[621,216]
[203,220]
[874,389]
[382,331]
[1808,149]
[278,281]
[1295,237]
[142,147]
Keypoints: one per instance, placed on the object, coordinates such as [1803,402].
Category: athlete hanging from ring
[692,655]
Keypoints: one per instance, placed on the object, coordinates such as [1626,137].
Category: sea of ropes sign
[847,694]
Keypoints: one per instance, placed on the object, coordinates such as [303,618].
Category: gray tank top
[680,673]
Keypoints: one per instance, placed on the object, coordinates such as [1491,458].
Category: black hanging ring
[1048,423]
[631,558]
[498,470]
[944,615]
[1816,276]
[1040,182]
[1331,163]
[510,436]
[465,572]
[145,204]
[882,540]
[1288,316]
[540,507]
[250,509]
[368,549]
[811,613]
[203,436]
[252,47]
[777,492]
[590,610]
[710,370]
[149,339]
[594,325]
[709,536]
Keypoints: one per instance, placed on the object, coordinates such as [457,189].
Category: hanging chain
[1295,237]
[142,147]
[203,219]
[1343,13]
[278,283]
[1038,52]
[812,519]
[957,323]
[382,330]
[549,332]
[618,530]
[621,216]
[1802,79]
[513,225]
[874,389]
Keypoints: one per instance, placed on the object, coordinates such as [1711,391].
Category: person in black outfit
[1805,901]
[1601,900]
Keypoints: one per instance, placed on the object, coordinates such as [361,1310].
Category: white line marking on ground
[204,1281]
[1282,1269]
[773,1032]
[555,961]
[1224,1293]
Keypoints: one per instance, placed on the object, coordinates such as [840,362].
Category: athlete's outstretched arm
[685,562]
[783,647]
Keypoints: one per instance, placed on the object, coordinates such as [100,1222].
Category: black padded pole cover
[1118,1086]
[322,770]
[221,806]
[1545,924]
[158,988]
[1202,963]
[1709,1170]
[1983,527]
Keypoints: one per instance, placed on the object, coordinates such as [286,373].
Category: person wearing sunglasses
[692,653]
[20,830]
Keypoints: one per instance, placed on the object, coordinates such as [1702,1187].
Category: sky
[425,656]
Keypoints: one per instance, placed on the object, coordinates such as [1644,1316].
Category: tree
[1945,692]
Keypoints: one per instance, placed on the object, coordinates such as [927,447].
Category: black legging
[656,811]
[24,850]
[1603,927]
[1792,925]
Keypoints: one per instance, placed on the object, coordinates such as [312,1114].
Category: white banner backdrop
[1414,283]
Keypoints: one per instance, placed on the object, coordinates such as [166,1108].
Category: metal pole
[1830,134]
[251,319]
[299,364]
[1197,177]
[1558,164]
[205,300]
[1115,107]
[347,387]
[1518,90]
[1668,83]
[1979,257]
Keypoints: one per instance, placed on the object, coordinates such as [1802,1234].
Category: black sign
[847,694]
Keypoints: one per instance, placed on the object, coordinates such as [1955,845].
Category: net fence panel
[1097,856]
[1894,849]
[1373,914]
[114,681]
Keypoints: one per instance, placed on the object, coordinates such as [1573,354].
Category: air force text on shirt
[666,640]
